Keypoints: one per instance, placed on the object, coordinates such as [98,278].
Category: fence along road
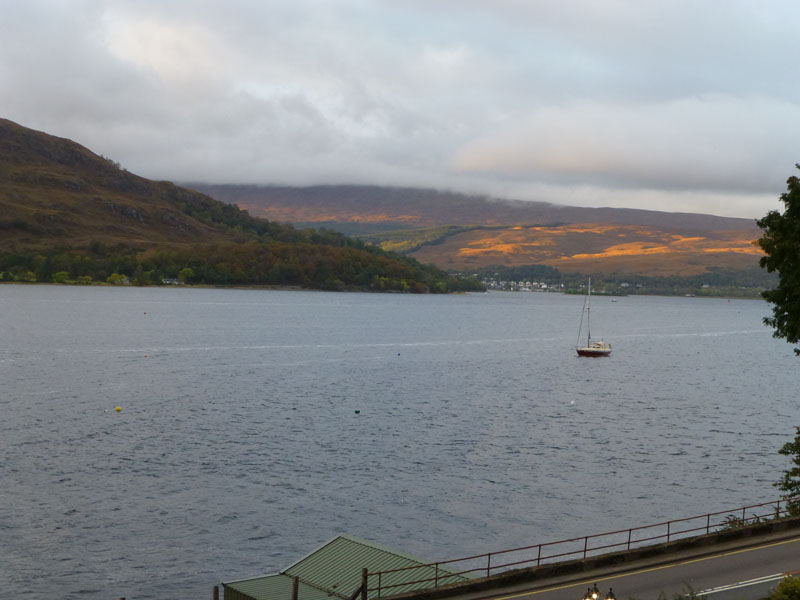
[730,573]
[643,555]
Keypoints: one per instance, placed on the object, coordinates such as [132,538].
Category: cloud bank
[667,105]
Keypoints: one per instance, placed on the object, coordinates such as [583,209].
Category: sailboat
[591,349]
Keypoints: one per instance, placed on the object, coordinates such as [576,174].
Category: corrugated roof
[334,569]
[271,587]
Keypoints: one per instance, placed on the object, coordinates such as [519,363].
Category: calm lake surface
[239,448]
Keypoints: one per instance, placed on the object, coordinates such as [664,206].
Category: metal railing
[433,575]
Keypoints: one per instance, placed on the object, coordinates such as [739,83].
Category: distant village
[521,286]
[492,283]
[657,286]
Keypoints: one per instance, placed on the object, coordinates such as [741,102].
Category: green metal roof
[270,587]
[334,570]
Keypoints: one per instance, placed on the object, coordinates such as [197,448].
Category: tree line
[305,265]
[260,253]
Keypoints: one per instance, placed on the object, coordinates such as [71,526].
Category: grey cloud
[657,104]
[712,143]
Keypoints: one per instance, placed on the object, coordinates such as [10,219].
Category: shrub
[788,589]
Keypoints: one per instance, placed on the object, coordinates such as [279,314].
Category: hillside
[592,248]
[54,191]
[412,207]
[67,212]
[69,215]
[460,232]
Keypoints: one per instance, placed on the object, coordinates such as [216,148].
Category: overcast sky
[678,105]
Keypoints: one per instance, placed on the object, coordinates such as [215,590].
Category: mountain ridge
[55,190]
[68,215]
[55,193]
[462,232]
[420,207]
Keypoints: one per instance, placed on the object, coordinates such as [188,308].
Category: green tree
[787,589]
[781,243]
[790,482]
[60,277]
[28,276]
[142,277]
[185,275]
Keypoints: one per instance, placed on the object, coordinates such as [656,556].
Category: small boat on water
[592,349]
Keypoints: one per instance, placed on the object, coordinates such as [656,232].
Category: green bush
[790,482]
[788,589]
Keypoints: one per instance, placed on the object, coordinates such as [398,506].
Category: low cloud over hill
[485,231]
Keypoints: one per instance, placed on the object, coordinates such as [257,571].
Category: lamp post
[593,593]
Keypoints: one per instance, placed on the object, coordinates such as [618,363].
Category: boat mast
[588,313]
[580,326]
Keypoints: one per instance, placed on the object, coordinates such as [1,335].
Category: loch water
[256,425]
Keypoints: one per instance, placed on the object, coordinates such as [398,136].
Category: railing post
[215,596]
[539,556]
[668,523]
[295,587]
[436,576]
[364,584]
[488,564]
[708,523]
[743,521]
[629,538]
[585,545]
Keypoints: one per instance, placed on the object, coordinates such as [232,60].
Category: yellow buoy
[119,408]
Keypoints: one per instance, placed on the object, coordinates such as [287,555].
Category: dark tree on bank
[781,243]
[790,482]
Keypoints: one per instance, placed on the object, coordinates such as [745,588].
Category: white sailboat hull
[595,349]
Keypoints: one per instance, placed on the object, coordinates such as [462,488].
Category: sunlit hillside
[459,232]
[591,248]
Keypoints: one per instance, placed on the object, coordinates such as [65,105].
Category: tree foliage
[781,243]
[787,589]
[790,482]
[323,260]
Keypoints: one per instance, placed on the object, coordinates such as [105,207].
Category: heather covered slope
[54,191]
[592,248]
[460,232]
[69,215]
[65,209]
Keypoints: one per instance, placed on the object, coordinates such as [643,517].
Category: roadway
[727,572]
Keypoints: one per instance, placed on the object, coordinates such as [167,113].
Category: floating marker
[358,412]
[119,408]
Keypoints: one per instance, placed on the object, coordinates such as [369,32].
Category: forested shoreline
[280,264]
